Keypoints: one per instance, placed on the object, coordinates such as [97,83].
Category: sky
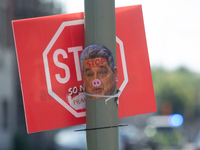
[172,30]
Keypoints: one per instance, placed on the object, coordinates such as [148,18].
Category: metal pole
[100,29]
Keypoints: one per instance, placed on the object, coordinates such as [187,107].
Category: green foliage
[180,87]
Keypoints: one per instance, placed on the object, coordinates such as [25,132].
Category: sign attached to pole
[48,52]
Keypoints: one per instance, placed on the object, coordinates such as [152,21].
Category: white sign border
[47,72]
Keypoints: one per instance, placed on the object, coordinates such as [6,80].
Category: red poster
[48,52]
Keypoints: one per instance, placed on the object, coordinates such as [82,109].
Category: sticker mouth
[97,90]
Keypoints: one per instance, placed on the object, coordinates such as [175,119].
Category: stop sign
[62,67]
[48,50]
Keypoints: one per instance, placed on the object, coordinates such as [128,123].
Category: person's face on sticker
[99,78]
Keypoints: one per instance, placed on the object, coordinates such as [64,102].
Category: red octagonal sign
[48,50]
[62,67]
[64,80]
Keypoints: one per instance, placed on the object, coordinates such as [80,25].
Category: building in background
[13,133]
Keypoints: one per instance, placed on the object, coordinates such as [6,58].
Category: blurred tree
[181,88]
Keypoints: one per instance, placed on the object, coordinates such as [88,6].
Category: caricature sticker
[99,73]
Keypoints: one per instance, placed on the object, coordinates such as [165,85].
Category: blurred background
[173,38]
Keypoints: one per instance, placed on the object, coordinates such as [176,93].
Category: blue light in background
[175,120]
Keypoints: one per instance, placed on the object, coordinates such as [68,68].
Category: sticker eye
[103,72]
[89,75]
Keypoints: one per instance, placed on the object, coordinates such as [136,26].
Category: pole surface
[100,29]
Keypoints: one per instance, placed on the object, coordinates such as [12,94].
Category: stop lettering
[96,62]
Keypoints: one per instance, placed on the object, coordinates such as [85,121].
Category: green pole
[100,29]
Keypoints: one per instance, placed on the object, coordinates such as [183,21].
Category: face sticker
[99,75]
[99,79]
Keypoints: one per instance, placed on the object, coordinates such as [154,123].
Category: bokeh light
[175,120]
